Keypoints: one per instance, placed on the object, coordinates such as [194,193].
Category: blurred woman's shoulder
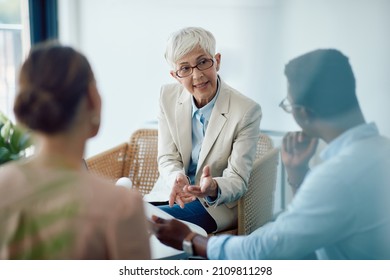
[102,188]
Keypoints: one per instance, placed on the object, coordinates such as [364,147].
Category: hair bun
[38,110]
[53,80]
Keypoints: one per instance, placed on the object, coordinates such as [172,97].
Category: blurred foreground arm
[173,232]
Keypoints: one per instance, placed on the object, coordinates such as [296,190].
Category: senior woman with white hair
[207,137]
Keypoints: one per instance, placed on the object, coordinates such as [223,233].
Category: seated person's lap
[192,212]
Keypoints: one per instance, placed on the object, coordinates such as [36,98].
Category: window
[14,44]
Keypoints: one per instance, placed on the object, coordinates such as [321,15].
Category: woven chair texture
[255,208]
[264,145]
[109,163]
[141,160]
[255,187]
[136,160]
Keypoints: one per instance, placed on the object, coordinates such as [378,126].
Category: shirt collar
[345,139]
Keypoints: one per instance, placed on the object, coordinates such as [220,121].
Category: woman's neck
[61,151]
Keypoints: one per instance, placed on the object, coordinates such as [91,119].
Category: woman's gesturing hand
[207,187]
[178,194]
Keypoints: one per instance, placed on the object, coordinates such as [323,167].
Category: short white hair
[185,40]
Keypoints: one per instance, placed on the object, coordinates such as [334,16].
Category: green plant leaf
[6,131]
[14,139]
[3,118]
[2,142]
[25,141]
[5,155]
[14,156]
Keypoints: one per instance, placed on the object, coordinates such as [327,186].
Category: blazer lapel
[184,126]
[217,121]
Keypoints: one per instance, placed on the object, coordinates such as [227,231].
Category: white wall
[125,42]
[360,29]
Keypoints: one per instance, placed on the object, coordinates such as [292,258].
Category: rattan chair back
[141,160]
[261,186]
[264,145]
[109,163]
[137,160]
[255,208]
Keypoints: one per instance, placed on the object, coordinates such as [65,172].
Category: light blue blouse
[200,121]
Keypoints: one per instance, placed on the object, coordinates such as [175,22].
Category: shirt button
[205,204]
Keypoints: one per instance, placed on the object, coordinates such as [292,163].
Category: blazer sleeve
[234,180]
[170,162]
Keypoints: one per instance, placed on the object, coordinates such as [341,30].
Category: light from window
[13,45]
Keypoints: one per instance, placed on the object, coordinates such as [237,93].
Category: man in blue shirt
[341,207]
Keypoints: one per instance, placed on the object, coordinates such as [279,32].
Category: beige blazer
[229,146]
[60,214]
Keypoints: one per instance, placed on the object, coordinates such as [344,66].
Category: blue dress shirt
[341,211]
[200,121]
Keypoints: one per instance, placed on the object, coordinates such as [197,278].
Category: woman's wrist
[215,189]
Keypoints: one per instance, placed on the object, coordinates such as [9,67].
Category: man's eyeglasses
[202,65]
[287,106]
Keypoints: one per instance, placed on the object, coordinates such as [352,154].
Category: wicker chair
[141,160]
[255,208]
[109,163]
[136,160]
[264,145]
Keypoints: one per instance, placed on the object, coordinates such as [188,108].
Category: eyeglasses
[287,106]
[202,65]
